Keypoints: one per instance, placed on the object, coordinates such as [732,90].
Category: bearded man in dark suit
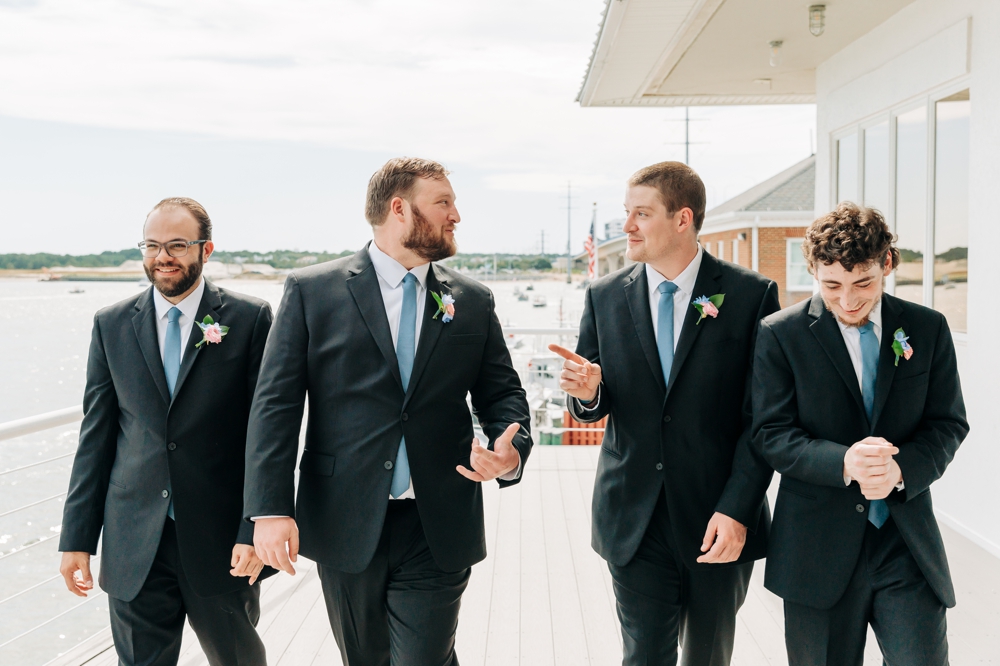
[387,344]
[170,379]
[858,405]
[679,511]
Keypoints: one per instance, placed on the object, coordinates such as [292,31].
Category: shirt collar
[875,317]
[684,281]
[393,272]
[188,307]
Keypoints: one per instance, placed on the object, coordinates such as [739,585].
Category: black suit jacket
[331,340]
[808,411]
[694,425]
[135,442]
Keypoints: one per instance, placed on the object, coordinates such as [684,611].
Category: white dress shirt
[682,301]
[189,311]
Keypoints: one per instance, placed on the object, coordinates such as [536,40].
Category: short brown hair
[679,185]
[396,178]
[852,235]
[197,211]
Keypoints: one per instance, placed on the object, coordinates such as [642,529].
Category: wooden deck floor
[543,597]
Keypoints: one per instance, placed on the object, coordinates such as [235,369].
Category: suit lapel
[363,284]
[211,303]
[892,318]
[637,295]
[830,338]
[144,323]
[706,284]
[430,330]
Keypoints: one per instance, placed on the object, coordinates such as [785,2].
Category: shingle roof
[793,189]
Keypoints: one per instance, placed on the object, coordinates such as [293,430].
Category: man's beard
[423,242]
[188,277]
[859,324]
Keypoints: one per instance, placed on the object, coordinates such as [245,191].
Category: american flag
[590,246]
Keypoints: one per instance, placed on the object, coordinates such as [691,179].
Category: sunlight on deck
[544,597]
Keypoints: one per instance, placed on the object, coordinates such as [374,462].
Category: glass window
[797,276]
[911,203]
[877,167]
[847,168]
[951,209]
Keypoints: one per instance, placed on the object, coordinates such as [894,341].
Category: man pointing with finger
[857,403]
[387,345]
[679,510]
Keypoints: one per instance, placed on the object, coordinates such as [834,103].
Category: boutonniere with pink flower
[900,345]
[708,306]
[446,306]
[212,333]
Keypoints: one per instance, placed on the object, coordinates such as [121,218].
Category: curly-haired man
[858,405]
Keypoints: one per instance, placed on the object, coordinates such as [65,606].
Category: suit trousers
[886,590]
[661,602]
[147,630]
[403,608]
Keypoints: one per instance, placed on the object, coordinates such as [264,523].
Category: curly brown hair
[852,235]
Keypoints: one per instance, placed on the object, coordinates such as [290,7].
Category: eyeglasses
[175,248]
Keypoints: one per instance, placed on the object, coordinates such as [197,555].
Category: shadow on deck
[544,597]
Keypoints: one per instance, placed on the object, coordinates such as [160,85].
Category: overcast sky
[275,114]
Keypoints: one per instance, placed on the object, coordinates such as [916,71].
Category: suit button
[666,419]
[406,417]
[166,494]
[659,466]
[171,446]
[860,508]
[388,464]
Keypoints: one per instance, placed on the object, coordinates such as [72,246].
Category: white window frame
[736,250]
[722,250]
[789,242]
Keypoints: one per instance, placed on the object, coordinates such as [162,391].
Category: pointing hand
[580,378]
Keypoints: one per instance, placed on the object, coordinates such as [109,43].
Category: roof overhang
[716,52]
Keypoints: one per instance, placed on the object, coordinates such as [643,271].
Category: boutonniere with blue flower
[708,306]
[446,306]
[212,333]
[900,345]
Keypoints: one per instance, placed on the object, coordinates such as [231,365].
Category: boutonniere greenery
[446,306]
[708,306]
[900,345]
[212,333]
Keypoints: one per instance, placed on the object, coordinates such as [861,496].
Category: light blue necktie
[172,364]
[665,328]
[406,345]
[878,512]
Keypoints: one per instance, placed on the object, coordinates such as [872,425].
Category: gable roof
[794,189]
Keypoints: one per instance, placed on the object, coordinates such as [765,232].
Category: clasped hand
[580,378]
[870,462]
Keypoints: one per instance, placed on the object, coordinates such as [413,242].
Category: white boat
[539,301]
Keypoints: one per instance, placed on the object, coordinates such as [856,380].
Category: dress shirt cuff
[593,404]
[256,518]
[515,474]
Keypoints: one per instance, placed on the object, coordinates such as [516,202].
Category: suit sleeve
[257,342]
[276,412]
[924,458]
[587,347]
[83,512]
[743,496]
[497,396]
[777,434]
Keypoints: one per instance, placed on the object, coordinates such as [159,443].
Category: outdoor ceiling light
[775,52]
[817,19]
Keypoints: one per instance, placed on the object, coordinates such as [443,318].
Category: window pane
[877,167]
[797,277]
[847,168]
[911,203]
[951,209]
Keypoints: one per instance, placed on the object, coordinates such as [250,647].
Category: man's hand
[71,563]
[870,463]
[276,542]
[487,464]
[245,562]
[728,536]
[580,378]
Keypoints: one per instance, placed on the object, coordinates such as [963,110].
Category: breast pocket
[466,339]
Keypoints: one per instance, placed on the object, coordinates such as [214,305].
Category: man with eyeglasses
[170,378]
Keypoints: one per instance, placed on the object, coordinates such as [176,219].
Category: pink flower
[213,334]
[908,353]
[450,309]
[710,310]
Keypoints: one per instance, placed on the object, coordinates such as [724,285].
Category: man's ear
[685,220]
[888,265]
[397,208]
[209,249]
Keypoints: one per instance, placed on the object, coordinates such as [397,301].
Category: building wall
[933,46]
[772,259]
